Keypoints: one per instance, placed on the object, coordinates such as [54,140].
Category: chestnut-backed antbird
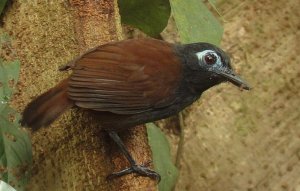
[132,82]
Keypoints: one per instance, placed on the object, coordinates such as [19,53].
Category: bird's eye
[210,58]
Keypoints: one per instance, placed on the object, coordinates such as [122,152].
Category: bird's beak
[235,79]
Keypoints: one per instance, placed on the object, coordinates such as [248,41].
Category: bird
[131,82]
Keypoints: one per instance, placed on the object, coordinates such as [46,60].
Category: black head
[206,65]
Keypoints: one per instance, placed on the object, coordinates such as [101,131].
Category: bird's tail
[43,110]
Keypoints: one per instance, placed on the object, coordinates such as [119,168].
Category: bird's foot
[141,170]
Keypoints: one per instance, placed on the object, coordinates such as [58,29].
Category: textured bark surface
[72,154]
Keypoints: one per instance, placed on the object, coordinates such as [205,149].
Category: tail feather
[42,111]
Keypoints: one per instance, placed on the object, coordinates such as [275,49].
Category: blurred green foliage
[15,145]
[195,22]
[2,5]
[150,16]
[162,158]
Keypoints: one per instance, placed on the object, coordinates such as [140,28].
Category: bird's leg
[141,170]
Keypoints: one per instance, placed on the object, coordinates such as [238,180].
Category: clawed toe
[140,170]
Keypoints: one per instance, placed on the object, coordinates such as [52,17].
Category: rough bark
[73,153]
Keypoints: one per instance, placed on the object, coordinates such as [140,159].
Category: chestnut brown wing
[126,77]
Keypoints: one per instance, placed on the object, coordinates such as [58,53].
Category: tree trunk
[73,153]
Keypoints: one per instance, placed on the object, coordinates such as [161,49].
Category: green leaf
[161,157]
[15,145]
[6,187]
[150,16]
[9,75]
[2,5]
[15,150]
[195,22]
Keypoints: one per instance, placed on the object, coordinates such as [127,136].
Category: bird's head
[206,65]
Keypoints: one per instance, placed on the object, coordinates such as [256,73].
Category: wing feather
[126,77]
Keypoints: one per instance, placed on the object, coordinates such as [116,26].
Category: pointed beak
[234,79]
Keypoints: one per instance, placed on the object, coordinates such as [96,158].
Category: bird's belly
[116,122]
